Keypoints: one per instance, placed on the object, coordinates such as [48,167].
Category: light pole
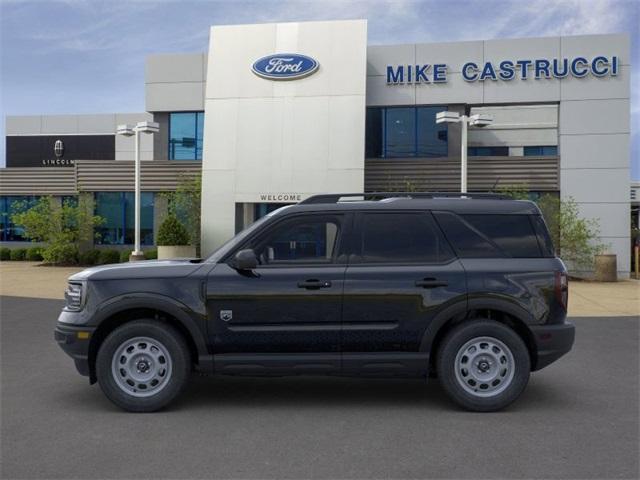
[478,120]
[128,131]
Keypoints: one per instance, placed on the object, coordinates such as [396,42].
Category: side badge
[226,315]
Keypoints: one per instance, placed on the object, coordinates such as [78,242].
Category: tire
[143,365]
[483,365]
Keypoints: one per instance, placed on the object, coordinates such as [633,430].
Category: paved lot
[577,419]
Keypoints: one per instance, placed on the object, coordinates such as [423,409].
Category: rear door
[402,272]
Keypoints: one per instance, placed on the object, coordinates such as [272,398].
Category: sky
[75,56]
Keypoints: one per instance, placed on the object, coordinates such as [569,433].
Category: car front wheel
[143,365]
[483,365]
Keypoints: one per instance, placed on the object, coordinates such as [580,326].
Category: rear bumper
[75,343]
[552,342]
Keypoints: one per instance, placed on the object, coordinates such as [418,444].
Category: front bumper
[75,343]
[552,342]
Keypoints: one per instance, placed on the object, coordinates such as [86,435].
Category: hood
[143,269]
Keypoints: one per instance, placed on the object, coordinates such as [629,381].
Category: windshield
[227,246]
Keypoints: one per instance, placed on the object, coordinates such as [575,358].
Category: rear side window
[484,235]
[466,240]
[513,234]
[402,237]
[544,239]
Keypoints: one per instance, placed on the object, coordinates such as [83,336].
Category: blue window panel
[185,135]
[9,205]
[400,132]
[432,138]
[488,151]
[541,151]
[393,132]
[118,211]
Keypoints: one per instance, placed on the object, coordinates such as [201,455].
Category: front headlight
[74,296]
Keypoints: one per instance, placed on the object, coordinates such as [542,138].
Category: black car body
[372,287]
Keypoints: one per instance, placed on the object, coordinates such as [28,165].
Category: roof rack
[336,197]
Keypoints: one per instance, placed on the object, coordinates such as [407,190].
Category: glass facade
[185,135]
[488,151]
[405,132]
[541,151]
[10,232]
[117,209]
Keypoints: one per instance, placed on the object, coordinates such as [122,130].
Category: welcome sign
[507,70]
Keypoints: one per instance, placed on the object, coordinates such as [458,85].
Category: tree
[184,203]
[172,232]
[61,227]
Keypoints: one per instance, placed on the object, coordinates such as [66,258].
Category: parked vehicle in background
[466,288]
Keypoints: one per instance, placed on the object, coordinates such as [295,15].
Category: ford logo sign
[285,66]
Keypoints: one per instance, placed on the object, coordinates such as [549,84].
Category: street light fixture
[128,131]
[477,120]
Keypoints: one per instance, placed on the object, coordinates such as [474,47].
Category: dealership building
[274,113]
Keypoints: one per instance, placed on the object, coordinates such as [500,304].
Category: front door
[289,308]
[401,274]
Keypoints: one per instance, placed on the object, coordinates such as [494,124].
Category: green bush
[172,232]
[18,253]
[34,254]
[90,257]
[5,253]
[151,254]
[108,256]
[57,254]
[124,256]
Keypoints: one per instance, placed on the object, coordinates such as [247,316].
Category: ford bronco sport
[465,288]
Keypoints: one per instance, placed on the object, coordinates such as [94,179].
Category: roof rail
[336,197]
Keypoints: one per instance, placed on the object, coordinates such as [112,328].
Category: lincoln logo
[285,66]
[58,148]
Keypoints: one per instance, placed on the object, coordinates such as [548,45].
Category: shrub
[185,204]
[151,254]
[57,254]
[108,256]
[172,232]
[5,253]
[34,254]
[90,257]
[124,256]
[18,254]
[61,227]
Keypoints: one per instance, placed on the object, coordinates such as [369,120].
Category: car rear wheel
[143,365]
[483,365]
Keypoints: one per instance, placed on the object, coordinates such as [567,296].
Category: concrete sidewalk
[586,299]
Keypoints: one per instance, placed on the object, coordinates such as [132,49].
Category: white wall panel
[270,137]
[595,151]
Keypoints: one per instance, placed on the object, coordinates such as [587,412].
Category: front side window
[302,240]
[185,135]
[118,211]
[401,237]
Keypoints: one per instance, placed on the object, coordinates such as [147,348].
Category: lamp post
[128,131]
[477,120]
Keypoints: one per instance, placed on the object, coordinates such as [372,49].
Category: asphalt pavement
[578,418]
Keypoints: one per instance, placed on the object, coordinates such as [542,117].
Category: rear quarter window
[490,235]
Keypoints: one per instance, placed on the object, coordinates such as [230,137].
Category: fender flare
[461,309]
[154,301]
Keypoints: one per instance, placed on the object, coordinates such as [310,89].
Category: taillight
[562,289]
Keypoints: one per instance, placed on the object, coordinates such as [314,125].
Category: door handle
[314,284]
[431,283]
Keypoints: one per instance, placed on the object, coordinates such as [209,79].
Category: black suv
[465,288]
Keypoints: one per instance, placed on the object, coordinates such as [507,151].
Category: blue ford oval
[285,66]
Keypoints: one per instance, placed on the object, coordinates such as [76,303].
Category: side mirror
[245,260]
